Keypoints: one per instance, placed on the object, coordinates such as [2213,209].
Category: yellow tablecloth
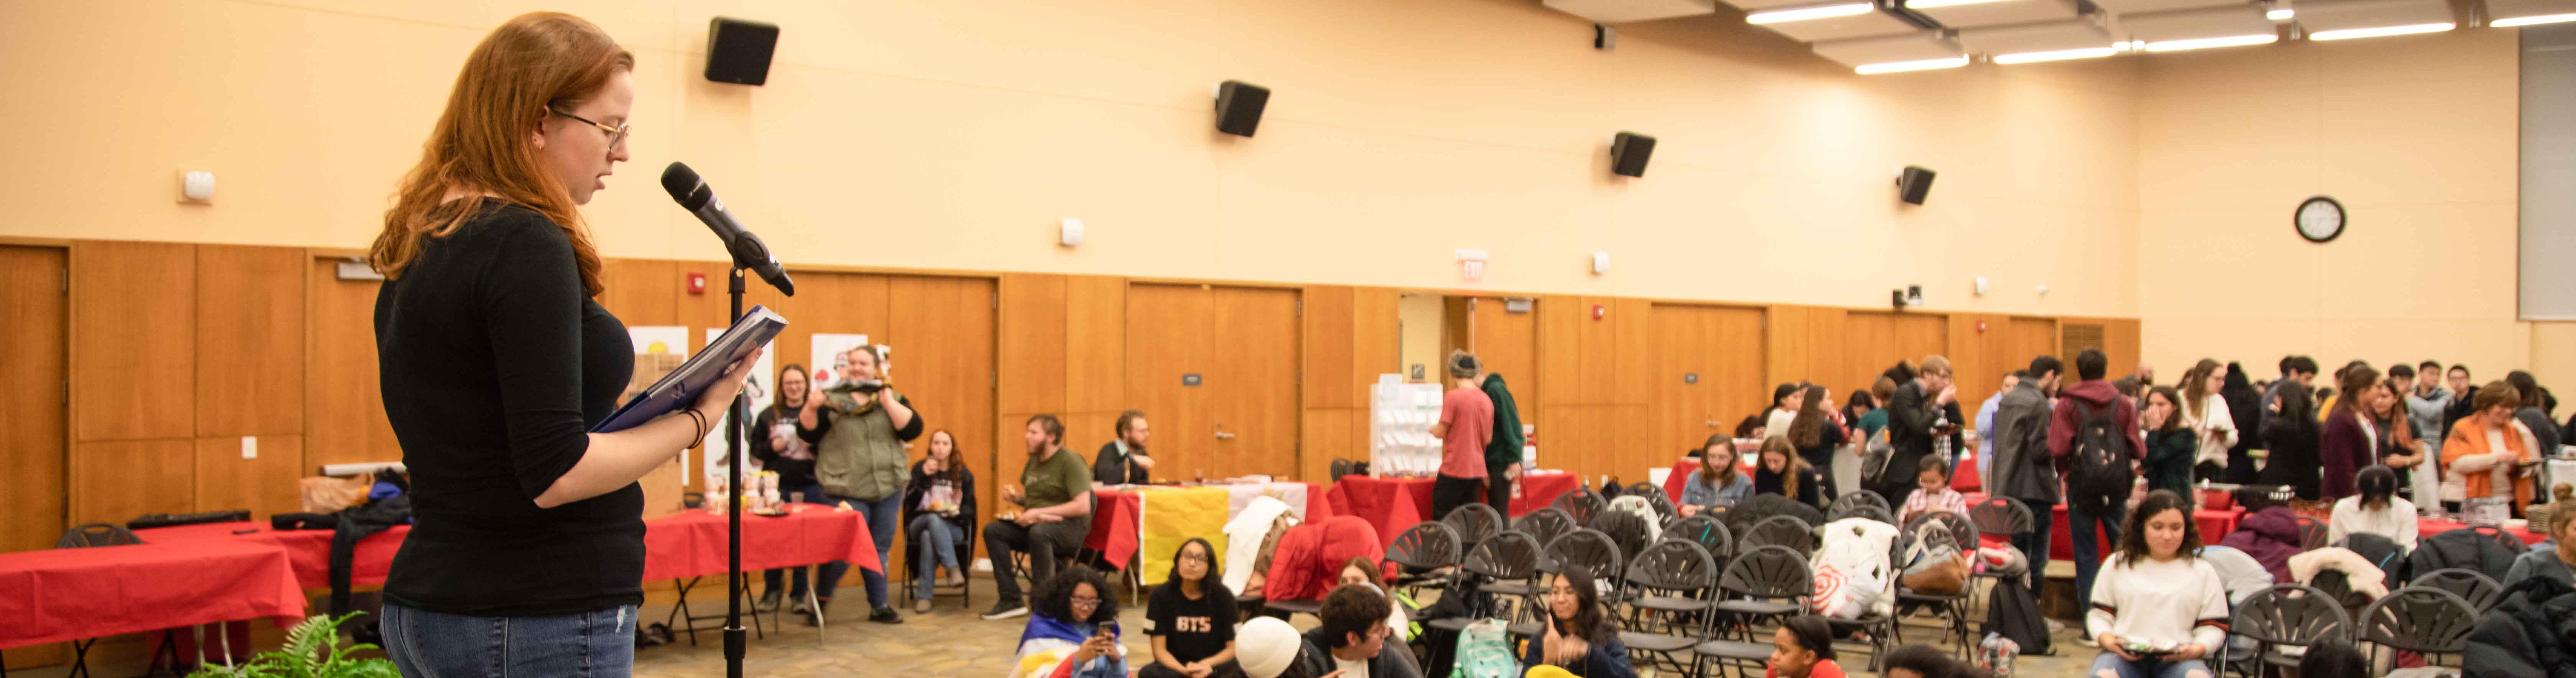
[1168,516]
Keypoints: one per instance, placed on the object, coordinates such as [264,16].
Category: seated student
[1783,472]
[2155,592]
[1270,648]
[1364,570]
[1803,648]
[1719,483]
[1576,635]
[2552,562]
[1352,639]
[1932,492]
[1073,630]
[940,503]
[1190,617]
[2376,510]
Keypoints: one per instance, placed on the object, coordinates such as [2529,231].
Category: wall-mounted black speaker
[738,51]
[1913,184]
[1628,153]
[1238,107]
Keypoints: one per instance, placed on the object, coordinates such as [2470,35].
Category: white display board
[1400,419]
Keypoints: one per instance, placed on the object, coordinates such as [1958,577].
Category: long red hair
[535,63]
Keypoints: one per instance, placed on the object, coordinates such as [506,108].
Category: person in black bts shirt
[1123,461]
[1191,618]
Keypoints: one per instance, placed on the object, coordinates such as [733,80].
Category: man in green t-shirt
[1058,497]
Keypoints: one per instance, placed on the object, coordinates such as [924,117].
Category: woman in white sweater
[2376,510]
[2157,608]
[2207,414]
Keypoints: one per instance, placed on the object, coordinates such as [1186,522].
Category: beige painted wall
[1419,313]
[2416,136]
[954,134]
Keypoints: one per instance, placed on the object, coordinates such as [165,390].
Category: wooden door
[1507,343]
[1254,397]
[942,331]
[34,392]
[2027,338]
[1215,370]
[1708,363]
[344,399]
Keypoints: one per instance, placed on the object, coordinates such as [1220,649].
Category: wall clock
[2319,219]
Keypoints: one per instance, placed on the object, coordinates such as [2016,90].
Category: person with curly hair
[1073,630]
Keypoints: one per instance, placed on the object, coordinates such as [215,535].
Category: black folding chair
[1341,467]
[1672,582]
[1508,562]
[1708,531]
[2419,619]
[1545,525]
[1763,583]
[1953,608]
[1858,500]
[1665,512]
[1581,505]
[1473,522]
[1787,531]
[1421,550]
[2481,591]
[2285,615]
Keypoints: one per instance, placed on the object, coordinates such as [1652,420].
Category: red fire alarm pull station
[1981,327]
[1599,311]
[697,283]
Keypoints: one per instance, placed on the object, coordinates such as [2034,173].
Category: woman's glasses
[616,134]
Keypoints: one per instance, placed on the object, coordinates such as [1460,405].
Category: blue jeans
[2146,667]
[881,515]
[773,578]
[938,548]
[427,644]
[2081,517]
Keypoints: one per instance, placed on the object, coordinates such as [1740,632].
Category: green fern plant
[312,651]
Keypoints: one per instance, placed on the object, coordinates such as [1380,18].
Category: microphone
[747,250]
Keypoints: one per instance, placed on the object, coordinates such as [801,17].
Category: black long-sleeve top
[494,363]
[792,472]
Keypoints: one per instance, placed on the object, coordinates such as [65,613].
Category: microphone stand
[734,639]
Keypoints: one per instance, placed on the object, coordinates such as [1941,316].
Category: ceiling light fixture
[2207,43]
[2533,20]
[2056,55]
[2382,31]
[1904,66]
[2281,14]
[1809,13]
[1924,4]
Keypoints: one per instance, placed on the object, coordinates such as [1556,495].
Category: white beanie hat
[1265,646]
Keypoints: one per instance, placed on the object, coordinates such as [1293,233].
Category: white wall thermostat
[197,185]
[1600,263]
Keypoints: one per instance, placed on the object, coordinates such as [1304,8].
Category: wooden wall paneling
[344,402]
[265,484]
[1095,344]
[117,480]
[1325,435]
[945,365]
[1633,439]
[2028,337]
[1252,377]
[250,340]
[1829,348]
[644,291]
[1508,344]
[1633,353]
[1685,409]
[2121,343]
[35,372]
[1555,373]
[1031,346]
[1377,343]
[1168,329]
[1326,321]
[1738,352]
[1790,356]
[1979,351]
[134,314]
[1457,331]
[1596,356]
[1876,340]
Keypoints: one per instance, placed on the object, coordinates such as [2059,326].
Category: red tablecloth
[71,594]
[689,544]
[2426,527]
[1388,504]
[1537,490]
[1115,520]
[2061,540]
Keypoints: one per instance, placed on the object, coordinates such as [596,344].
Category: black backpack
[2101,457]
[2012,613]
